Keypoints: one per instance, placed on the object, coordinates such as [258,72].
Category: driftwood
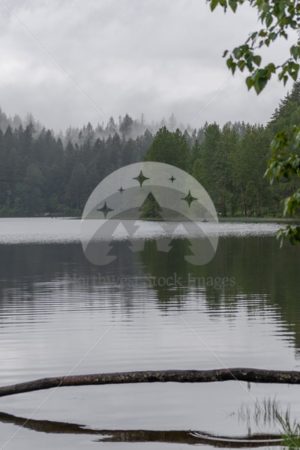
[135,436]
[162,376]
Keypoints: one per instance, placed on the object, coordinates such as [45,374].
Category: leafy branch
[278,18]
[285,166]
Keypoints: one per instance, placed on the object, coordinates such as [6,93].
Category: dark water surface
[60,315]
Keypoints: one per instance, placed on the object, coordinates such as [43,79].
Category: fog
[70,62]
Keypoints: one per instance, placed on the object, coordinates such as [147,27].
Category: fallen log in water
[162,376]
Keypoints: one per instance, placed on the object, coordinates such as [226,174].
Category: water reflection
[142,436]
[252,272]
[158,312]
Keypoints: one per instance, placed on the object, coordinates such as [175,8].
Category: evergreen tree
[170,148]
[288,112]
[76,189]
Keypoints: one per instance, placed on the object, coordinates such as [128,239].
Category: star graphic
[189,198]
[121,190]
[172,179]
[141,178]
[105,209]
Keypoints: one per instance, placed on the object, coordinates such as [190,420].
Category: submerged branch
[162,376]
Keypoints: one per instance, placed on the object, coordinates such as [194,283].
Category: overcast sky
[73,61]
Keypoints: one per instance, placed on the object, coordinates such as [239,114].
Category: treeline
[230,161]
[42,173]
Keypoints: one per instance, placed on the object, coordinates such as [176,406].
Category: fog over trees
[42,172]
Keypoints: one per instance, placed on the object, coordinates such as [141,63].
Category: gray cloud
[69,62]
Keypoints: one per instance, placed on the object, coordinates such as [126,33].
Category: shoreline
[239,219]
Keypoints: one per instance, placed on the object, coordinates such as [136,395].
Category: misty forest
[43,173]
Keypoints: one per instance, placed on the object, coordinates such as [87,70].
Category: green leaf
[249,82]
[260,80]
[269,20]
[231,64]
[295,51]
[257,60]
[214,4]
[233,5]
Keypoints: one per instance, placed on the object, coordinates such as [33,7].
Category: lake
[61,315]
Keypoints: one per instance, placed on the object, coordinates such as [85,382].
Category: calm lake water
[61,315]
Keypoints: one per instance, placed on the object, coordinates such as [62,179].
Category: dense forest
[43,173]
